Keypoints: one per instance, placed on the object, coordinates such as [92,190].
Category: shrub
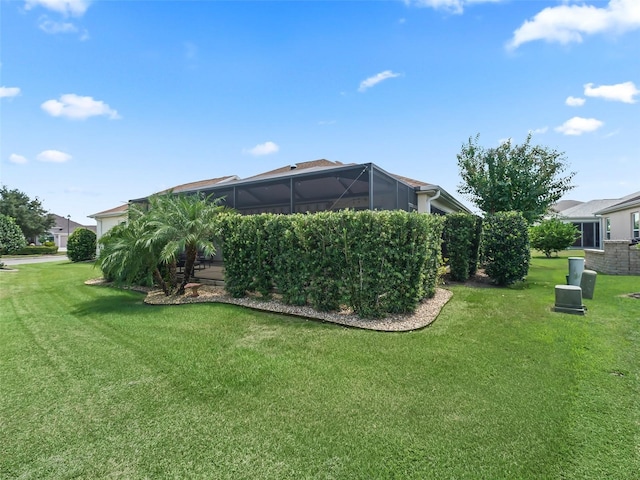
[552,236]
[506,247]
[374,262]
[461,239]
[81,245]
[11,237]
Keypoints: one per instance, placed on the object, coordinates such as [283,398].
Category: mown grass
[95,384]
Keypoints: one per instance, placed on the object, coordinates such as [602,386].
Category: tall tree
[524,178]
[29,214]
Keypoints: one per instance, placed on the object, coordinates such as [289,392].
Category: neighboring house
[621,221]
[316,186]
[593,226]
[64,227]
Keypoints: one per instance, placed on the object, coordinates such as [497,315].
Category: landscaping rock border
[425,314]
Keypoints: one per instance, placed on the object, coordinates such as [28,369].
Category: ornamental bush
[506,250]
[11,237]
[81,245]
[553,235]
[462,238]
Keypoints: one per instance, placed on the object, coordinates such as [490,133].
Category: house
[316,186]
[593,224]
[622,220]
[64,226]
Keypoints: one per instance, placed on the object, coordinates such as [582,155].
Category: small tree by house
[552,236]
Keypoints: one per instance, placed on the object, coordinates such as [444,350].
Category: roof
[200,185]
[64,223]
[563,205]
[320,165]
[310,165]
[112,212]
[632,200]
[587,209]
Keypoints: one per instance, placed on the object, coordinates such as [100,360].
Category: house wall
[617,258]
[104,224]
[621,223]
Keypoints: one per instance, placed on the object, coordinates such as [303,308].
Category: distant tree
[11,238]
[553,235]
[523,178]
[29,214]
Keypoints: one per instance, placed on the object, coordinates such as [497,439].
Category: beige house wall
[621,227]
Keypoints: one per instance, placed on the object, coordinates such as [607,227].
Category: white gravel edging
[425,314]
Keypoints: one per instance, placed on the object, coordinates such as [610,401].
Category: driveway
[29,259]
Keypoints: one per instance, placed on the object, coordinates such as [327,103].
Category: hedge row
[37,250]
[374,262]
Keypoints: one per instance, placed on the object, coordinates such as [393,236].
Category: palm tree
[128,258]
[183,223]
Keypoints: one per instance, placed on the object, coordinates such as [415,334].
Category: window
[607,228]
[635,224]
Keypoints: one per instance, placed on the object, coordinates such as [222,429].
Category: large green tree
[524,178]
[29,214]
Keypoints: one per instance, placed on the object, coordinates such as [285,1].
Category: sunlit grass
[96,384]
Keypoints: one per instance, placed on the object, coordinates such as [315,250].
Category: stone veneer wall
[617,258]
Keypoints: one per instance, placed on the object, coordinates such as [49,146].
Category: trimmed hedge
[374,262]
[506,251]
[81,245]
[37,250]
[461,237]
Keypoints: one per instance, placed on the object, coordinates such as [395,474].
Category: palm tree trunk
[189,263]
[158,276]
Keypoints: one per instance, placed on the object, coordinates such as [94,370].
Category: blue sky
[105,101]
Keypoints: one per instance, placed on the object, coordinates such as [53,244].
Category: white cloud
[374,80]
[579,125]
[266,148]
[568,23]
[53,27]
[76,8]
[54,156]
[19,159]
[9,92]
[574,101]
[78,108]
[541,130]
[452,6]
[621,92]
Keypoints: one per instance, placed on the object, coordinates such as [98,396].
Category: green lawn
[95,384]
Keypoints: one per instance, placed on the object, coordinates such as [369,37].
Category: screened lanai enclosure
[358,187]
